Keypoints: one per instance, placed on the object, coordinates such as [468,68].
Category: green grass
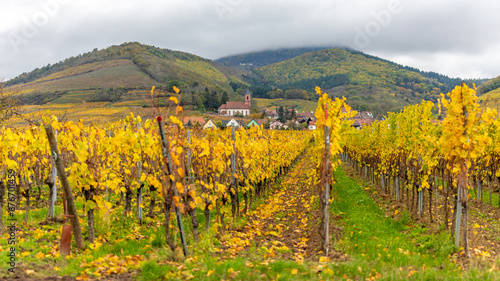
[301,105]
[486,191]
[495,197]
[396,250]
[490,99]
[495,94]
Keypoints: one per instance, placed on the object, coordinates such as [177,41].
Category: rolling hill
[249,61]
[127,67]
[368,82]
[299,104]
[489,86]
[490,93]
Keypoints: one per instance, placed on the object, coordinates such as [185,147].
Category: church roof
[235,105]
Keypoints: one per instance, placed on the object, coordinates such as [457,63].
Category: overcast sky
[457,38]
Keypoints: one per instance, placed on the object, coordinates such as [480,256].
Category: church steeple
[248,98]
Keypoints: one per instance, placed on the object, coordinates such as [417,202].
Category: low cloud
[456,38]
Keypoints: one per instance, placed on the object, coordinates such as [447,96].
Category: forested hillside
[368,82]
[490,93]
[490,85]
[254,60]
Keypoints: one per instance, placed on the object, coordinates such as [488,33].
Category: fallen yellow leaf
[324,259]
[23,254]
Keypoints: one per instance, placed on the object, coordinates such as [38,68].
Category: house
[290,110]
[231,108]
[193,121]
[364,115]
[252,123]
[292,125]
[276,125]
[256,123]
[363,122]
[210,125]
[356,125]
[261,121]
[360,123]
[305,117]
[312,125]
[305,121]
[233,123]
[272,113]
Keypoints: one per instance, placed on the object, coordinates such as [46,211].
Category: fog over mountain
[455,38]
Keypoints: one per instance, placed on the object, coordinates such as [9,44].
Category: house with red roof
[312,125]
[276,125]
[305,117]
[193,121]
[272,113]
[360,123]
[231,108]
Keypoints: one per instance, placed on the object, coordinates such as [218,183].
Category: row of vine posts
[331,119]
[418,153]
[173,167]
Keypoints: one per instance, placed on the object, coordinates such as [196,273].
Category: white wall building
[232,107]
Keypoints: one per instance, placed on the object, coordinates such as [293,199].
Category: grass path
[383,248]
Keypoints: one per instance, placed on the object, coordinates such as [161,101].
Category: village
[237,114]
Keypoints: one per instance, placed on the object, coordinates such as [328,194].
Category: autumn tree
[224,98]
[8,105]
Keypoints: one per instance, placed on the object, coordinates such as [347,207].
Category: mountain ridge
[368,82]
[120,70]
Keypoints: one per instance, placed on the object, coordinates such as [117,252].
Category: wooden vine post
[190,183]
[233,189]
[327,176]
[167,157]
[139,191]
[53,187]
[462,198]
[107,176]
[269,163]
[329,115]
[61,173]
[461,146]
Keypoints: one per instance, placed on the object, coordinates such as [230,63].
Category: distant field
[130,103]
[74,97]
[491,99]
[88,112]
[302,105]
[89,67]
[111,74]
[75,107]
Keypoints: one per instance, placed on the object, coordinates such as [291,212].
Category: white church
[232,107]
